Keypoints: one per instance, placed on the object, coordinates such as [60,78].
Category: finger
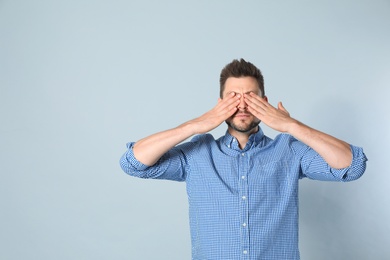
[256,113]
[227,106]
[226,111]
[256,102]
[231,100]
[281,107]
[257,99]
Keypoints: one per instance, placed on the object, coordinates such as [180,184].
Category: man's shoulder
[283,140]
[284,137]
[203,138]
[286,141]
[197,143]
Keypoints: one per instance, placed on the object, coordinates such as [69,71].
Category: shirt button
[244,197]
[243,177]
[244,224]
[245,252]
[243,154]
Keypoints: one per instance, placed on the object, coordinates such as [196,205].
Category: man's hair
[241,68]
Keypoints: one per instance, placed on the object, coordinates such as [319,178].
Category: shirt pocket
[274,178]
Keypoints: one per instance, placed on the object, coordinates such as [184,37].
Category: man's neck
[242,137]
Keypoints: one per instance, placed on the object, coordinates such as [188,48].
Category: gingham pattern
[243,204]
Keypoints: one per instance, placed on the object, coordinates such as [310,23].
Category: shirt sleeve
[315,167]
[173,165]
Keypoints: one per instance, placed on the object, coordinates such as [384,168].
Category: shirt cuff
[132,160]
[355,170]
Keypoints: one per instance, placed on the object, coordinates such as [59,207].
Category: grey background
[79,79]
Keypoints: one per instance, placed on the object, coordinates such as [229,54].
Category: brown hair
[241,68]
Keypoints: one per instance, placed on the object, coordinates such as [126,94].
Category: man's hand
[335,152]
[277,118]
[224,109]
[148,150]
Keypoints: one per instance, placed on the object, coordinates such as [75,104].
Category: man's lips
[242,115]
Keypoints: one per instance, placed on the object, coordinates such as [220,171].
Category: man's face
[242,121]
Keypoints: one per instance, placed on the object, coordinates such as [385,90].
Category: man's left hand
[277,118]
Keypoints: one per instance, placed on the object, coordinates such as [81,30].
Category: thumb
[281,107]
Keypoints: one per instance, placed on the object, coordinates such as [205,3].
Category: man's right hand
[223,110]
[148,150]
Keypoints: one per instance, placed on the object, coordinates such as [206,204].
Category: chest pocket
[274,178]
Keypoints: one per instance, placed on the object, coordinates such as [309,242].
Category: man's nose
[242,104]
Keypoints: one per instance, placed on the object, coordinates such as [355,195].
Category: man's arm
[150,149]
[335,152]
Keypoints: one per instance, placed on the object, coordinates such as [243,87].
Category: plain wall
[80,79]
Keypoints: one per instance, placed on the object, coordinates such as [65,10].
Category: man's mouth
[242,115]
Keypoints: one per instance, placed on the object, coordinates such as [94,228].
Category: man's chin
[243,128]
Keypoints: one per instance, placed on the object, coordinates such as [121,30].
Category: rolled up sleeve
[171,166]
[315,167]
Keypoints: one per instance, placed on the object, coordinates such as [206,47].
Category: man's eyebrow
[239,92]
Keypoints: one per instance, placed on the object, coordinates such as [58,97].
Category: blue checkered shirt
[243,203]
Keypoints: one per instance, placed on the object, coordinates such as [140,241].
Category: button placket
[244,207]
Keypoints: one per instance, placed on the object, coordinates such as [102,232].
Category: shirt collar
[254,140]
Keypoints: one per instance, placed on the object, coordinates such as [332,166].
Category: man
[243,187]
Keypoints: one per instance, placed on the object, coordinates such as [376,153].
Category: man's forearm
[150,149]
[335,152]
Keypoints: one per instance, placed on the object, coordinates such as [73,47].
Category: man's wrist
[189,128]
[295,127]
